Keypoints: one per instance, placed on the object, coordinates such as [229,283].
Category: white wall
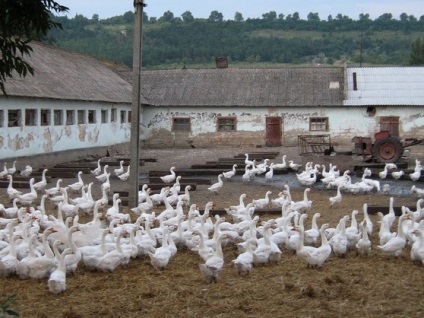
[344,122]
[32,140]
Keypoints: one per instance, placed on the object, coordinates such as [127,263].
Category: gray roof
[385,86]
[309,86]
[71,76]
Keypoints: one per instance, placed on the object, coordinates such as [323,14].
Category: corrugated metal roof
[309,86]
[385,86]
[65,75]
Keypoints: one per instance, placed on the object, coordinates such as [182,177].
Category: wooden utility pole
[135,107]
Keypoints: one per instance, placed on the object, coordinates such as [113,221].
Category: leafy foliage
[170,41]
[20,22]
[417,52]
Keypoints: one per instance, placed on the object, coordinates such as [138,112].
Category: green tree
[168,16]
[216,16]
[20,22]
[313,17]
[417,52]
[187,17]
[270,16]
[238,17]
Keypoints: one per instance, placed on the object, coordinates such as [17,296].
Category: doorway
[273,132]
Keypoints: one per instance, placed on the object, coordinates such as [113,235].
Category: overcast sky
[248,8]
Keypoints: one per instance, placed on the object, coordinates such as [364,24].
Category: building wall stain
[48,143]
[82,132]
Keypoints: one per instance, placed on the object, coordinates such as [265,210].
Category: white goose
[336,199]
[41,185]
[364,244]
[213,265]
[397,174]
[311,235]
[27,171]
[317,257]
[417,249]
[396,244]
[111,260]
[270,174]
[67,208]
[125,175]
[98,169]
[102,177]
[384,233]
[217,186]
[120,170]
[30,197]
[77,186]
[416,174]
[57,279]
[303,205]
[282,165]
[339,240]
[10,212]
[229,174]
[54,190]
[13,169]
[169,177]
[4,172]
[11,191]
[418,191]
[262,202]
[387,167]
[160,257]
[243,262]
[9,262]
[294,166]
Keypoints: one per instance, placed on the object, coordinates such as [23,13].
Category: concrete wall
[344,124]
[25,141]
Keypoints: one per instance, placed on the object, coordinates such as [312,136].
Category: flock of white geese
[35,244]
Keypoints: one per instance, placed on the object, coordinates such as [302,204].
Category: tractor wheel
[387,150]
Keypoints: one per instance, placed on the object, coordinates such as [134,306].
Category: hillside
[174,42]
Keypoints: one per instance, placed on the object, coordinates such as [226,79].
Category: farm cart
[385,149]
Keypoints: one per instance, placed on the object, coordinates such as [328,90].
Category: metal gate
[273,131]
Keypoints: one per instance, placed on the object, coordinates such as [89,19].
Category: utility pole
[135,107]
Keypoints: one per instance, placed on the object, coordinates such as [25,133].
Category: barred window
[81,117]
[14,118]
[45,117]
[226,124]
[104,116]
[30,117]
[70,117]
[58,117]
[318,124]
[91,116]
[181,124]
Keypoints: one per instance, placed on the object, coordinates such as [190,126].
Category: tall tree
[20,22]
[187,17]
[216,16]
[238,17]
[417,52]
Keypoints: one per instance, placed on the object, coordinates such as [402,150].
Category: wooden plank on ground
[186,179]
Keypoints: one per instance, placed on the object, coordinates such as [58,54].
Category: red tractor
[385,148]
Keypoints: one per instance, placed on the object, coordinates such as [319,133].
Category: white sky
[248,8]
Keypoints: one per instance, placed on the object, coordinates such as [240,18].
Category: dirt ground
[353,286]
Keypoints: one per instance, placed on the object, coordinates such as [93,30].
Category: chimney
[221,62]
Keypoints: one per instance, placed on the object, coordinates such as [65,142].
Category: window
[58,117]
[123,116]
[104,116]
[45,117]
[81,117]
[70,117]
[14,118]
[1,118]
[226,123]
[390,124]
[129,116]
[30,117]
[181,124]
[91,116]
[113,115]
[318,123]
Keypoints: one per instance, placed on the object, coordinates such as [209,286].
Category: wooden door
[273,131]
